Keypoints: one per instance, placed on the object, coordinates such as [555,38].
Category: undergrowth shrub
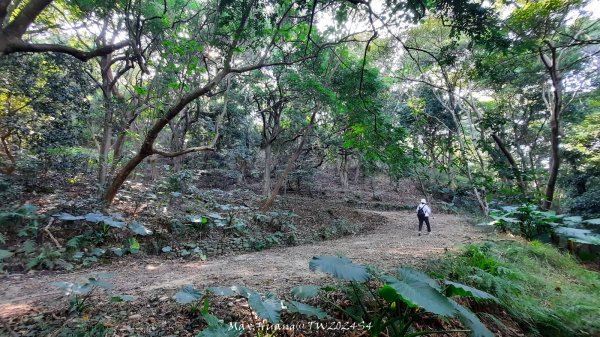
[543,289]
[379,304]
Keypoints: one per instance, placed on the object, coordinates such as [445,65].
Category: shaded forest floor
[154,280]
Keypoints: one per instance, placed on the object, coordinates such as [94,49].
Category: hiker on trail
[423,213]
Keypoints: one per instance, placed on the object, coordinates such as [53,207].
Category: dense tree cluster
[476,102]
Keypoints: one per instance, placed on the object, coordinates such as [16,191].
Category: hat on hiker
[423,201]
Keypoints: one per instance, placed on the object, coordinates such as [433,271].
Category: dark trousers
[426,220]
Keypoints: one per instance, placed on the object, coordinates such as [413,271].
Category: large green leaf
[306,309]
[471,321]
[245,292]
[187,294]
[222,330]
[573,219]
[222,291]
[94,217]
[99,282]
[269,309]
[211,319]
[593,221]
[72,288]
[68,217]
[4,254]
[139,229]
[414,276]
[417,294]
[305,292]
[459,289]
[340,267]
[113,223]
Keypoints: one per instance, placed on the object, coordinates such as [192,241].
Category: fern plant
[24,218]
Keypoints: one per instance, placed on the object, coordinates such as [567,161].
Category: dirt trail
[276,270]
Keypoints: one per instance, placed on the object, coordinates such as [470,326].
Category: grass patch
[548,292]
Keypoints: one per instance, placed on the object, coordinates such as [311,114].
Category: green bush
[587,203]
[542,288]
[526,220]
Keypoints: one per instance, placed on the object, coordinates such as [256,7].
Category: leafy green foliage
[307,310]
[50,259]
[416,293]
[340,267]
[25,219]
[4,254]
[79,293]
[412,289]
[527,220]
[305,292]
[187,295]
[459,289]
[222,330]
[139,229]
[268,308]
[540,287]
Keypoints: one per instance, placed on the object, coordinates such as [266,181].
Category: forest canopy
[482,100]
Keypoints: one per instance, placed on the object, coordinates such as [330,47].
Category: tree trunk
[288,167]
[450,163]
[344,170]
[462,146]
[147,147]
[500,143]
[123,173]
[9,170]
[555,104]
[107,124]
[105,142]
[267,171]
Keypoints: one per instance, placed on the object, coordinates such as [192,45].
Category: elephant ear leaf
[417,294]
[340,267]
[472,322]
[187,294]
[306,309]
[305,292]
[113,223]
[269,308]
[68,217]
[139,229]
[222,291]
[4,254]
[94,217]
[414,276]
[221,330]
[459,289]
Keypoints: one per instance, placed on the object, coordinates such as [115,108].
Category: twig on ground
[47,230]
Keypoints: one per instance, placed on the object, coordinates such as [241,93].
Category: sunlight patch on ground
[151,267]
[8,310]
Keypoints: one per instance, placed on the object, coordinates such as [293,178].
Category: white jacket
[426,209]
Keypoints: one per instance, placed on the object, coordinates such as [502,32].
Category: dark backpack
[421,212]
